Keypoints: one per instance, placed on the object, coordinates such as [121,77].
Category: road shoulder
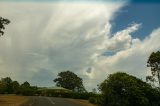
[7,100]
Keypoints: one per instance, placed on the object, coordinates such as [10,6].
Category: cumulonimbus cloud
[44,39]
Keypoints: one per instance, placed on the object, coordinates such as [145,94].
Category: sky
[90,38]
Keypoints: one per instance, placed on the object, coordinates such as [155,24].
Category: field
[12,100]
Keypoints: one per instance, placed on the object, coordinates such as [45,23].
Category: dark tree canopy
[7,86]
[3,22]
[25,85]
[15,86]
[70,81]
[154,63]
[121,89]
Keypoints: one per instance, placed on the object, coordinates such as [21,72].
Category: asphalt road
[50,101]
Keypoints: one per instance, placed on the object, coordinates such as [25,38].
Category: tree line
[8,86]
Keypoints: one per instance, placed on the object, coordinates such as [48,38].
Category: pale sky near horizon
[92,39]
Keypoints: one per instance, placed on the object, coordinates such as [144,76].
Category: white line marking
[31,104]
[51,101]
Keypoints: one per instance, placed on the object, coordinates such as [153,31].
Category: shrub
[26,91]
[96,99]
[121,89]
[93,100]
[70,94]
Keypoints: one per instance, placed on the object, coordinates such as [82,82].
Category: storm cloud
[44,39]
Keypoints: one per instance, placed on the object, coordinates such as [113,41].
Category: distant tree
[3,22]
[154,63]
[7,85]
[94,90]
[27,90]
[70,80]
[121,89]
[2,87]
[15,86]
[25,85]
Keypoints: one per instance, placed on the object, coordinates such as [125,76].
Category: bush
[121,89]
[93,100]
[26,91]
[70,94]
[97,99]
[85,96]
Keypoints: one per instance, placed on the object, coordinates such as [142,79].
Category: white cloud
[132,60]
[52,37]
[44,39]
[122,39]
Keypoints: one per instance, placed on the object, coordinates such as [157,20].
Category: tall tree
[3,22]
[70,80]
[154,63]
[121,89]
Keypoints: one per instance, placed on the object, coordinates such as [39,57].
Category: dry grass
[12,100]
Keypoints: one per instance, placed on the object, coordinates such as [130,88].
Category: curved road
[51,101]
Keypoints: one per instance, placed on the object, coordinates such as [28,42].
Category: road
[51,101]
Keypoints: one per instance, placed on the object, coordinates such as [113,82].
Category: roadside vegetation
[7,86]
[118,89]
[121,88]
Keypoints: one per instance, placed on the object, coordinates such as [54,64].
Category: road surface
[51,101]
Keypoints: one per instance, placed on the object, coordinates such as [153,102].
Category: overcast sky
[92,39]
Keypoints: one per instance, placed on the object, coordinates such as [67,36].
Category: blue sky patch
[144,13]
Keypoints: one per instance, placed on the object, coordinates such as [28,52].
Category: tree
[15,86]
[121,89]
[2,87]
[25,85]
[70,81]
[3,22]
[154,63]
[94,90]
[27,89]
[7,85]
